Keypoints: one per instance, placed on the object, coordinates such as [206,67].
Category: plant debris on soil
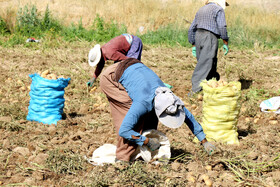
[34,154]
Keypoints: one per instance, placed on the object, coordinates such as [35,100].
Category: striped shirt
[210,17]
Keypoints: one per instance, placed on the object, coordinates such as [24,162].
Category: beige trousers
[120,103]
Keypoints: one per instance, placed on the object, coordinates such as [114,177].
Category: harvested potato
[19,82]
[208,167]
[93,89]
[204,177]
[208,182]
[167,180]
[47,74]
[190,178]
[23,88]
[193,106]
[222,83]
[103,105]
[49,77]
[215,84]
[247,119]
[53,76]
[256,120]
[200,97]
[273,122]
[96,105]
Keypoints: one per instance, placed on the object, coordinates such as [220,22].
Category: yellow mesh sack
[221,107]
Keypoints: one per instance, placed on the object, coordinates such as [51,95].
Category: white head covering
[94,55]
[222,3]
[169,108]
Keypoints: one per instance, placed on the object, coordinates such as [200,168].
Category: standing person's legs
[120,103]
[213,72]
[206,51]
[135,50]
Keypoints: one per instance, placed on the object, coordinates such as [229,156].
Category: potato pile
[213,83]
[48,75]
[202,178]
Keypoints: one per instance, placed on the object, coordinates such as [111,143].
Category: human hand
[194,51]
[225,49]
[153,144]
[208,147]
[91,81]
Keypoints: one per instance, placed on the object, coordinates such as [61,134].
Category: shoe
[192,94]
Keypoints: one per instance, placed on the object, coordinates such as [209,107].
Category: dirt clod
[22,150]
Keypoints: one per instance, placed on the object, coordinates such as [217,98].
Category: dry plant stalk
[243,169]
[151,15]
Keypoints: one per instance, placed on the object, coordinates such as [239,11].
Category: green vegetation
[64,162]
[30,23]
[246,37]
[170,35]
[11,126]
[3,27]
[100,31]
[252,97]
[12,110]
[134,174]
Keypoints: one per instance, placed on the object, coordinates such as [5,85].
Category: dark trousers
[206,53]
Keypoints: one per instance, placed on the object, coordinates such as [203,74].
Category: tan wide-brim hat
[94,55]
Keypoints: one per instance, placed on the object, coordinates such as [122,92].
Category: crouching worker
[138,99]
[117,49]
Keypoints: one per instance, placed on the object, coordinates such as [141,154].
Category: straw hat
[94,55]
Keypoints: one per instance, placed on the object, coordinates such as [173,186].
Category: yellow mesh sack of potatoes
[221,107]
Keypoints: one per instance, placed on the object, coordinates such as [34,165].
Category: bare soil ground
[33,154]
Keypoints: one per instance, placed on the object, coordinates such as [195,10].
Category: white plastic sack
[103,154]
[162,154]
[271,105]
[106,154]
